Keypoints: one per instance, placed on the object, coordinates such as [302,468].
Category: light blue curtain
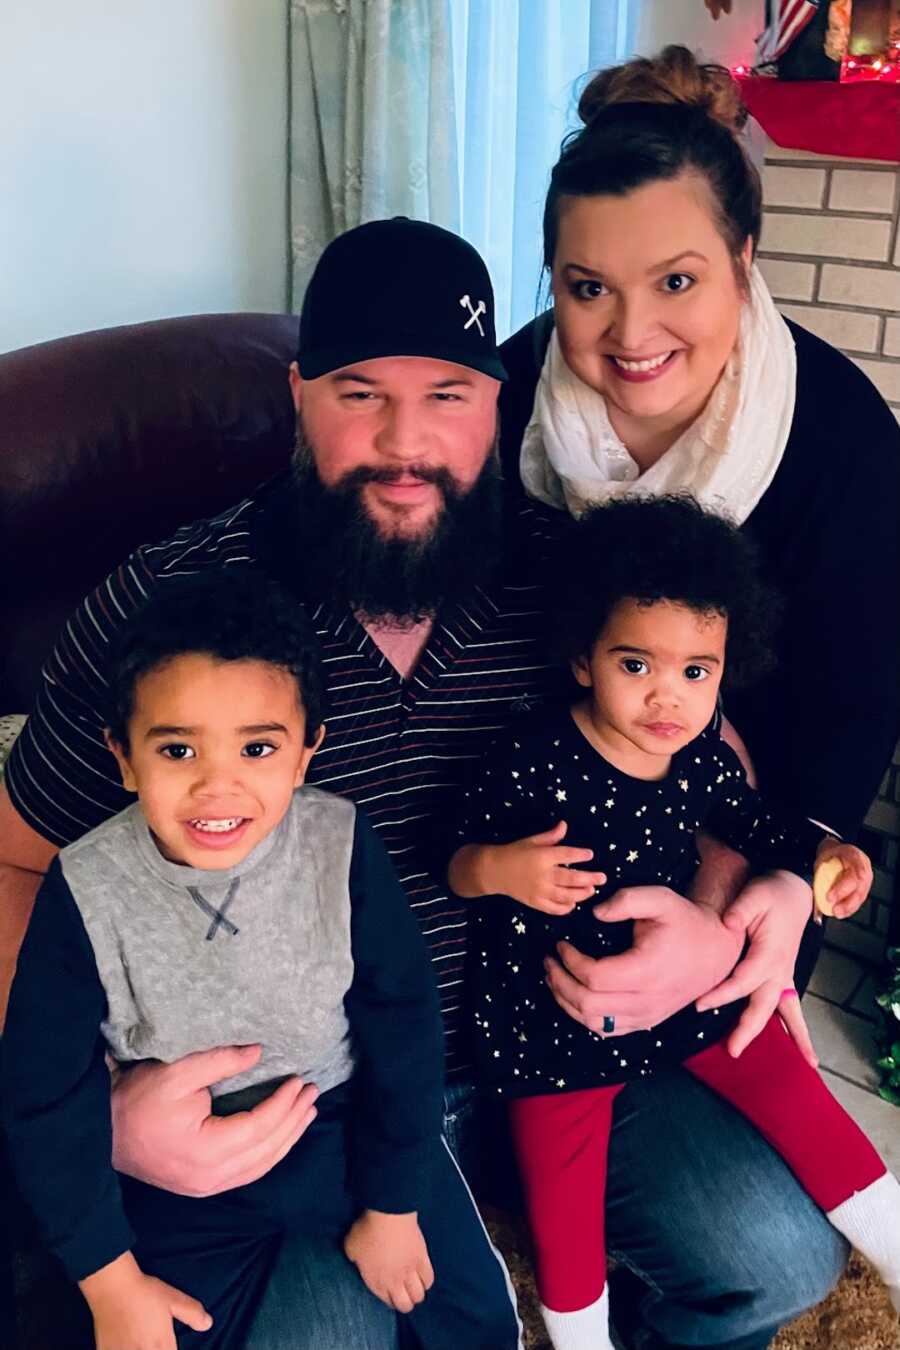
[517,73]
[372,125]
[444,110]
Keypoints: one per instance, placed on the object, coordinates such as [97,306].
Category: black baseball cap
[398,288]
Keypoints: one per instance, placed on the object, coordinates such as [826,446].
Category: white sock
[585,1329]
[870,1221]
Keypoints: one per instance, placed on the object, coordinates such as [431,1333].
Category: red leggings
[561,1144]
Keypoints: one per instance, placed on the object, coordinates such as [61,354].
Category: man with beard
[422,575]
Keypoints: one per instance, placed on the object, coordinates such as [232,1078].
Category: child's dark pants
[221,1249]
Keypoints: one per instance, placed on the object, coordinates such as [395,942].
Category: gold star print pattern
[641,833]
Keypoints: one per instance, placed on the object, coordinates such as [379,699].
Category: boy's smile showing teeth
[217,826]
[212,837]
[206,735]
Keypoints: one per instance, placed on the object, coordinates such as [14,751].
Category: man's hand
[164,1134]
[772,911]
[390,1254]
[680,950]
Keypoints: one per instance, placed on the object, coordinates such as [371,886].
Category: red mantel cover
[861,121]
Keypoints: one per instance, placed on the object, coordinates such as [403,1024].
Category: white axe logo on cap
[481,308]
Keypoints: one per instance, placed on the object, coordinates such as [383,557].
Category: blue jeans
[221,1248]
[727,1243]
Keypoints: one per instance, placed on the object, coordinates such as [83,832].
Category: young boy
[657,601]
[232,905]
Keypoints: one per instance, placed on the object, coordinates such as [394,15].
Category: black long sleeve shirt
[821,728]
[382,992]
[642,834]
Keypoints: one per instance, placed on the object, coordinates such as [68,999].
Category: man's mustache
[344,558]
[423,473]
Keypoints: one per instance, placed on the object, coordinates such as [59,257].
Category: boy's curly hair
[664,548]
[230,615]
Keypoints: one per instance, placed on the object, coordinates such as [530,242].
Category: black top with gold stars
[642,833]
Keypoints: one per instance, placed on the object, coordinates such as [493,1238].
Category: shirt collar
[181,875]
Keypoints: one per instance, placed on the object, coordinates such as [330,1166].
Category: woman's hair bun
[674,76]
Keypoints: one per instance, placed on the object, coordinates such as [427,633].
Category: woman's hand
[848,891]
[134,1311]
[390,1254]
[680,950]
[772,911]
[535,871]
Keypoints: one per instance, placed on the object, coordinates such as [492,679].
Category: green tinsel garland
[889,1037]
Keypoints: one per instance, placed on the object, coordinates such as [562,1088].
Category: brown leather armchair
[109,440]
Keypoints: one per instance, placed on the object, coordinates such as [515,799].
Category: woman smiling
[664,366]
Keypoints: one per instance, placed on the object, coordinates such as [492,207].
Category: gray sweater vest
[194,959]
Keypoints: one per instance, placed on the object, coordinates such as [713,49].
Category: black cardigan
[821,728]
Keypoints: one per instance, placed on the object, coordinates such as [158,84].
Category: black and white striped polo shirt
[399,748]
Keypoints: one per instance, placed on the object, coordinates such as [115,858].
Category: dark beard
[348,562]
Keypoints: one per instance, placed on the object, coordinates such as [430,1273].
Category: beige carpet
[857,1316]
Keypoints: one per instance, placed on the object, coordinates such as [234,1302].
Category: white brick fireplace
[831,254]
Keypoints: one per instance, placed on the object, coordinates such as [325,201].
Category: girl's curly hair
[665,548]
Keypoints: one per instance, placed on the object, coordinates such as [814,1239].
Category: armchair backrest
[114,438]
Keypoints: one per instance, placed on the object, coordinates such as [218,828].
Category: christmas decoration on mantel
[870,49]
[853,121]
[828,77]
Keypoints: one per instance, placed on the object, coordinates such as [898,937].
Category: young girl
[658,598]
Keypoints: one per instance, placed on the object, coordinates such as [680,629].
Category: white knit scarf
[572,457]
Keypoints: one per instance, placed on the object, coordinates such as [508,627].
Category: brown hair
[651,120]
[675,76]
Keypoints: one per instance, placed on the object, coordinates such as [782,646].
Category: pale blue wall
[728,39]
[142,161]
